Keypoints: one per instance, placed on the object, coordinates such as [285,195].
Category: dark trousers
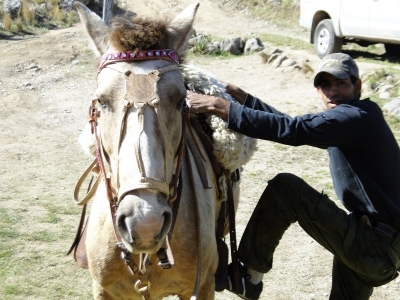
[363,258]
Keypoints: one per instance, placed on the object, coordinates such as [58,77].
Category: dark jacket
[364,155]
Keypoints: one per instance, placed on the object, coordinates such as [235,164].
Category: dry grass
[28,12]
[50,14]
[7,21]
[55,10]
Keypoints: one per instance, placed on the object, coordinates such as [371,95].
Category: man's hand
[200,103]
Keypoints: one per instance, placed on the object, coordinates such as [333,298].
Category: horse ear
[95,28]
[180,28]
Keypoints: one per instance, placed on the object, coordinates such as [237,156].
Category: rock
[272,58]
[233,46]
[384,95]
[385,88]
[278,61]
[288,62]
[253,45]
[393,107]
[68,4]
[276,50]
[374,86]
[195,39]
[11,7]
[214,47]
[298,68]
[390,78]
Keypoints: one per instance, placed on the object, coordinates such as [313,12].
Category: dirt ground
[46,83]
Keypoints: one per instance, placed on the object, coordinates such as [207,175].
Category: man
[365,169]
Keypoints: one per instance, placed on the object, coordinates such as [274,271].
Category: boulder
[253,45]
[393,107]
[214,47]
[278,61]
[11,7]
[233,46]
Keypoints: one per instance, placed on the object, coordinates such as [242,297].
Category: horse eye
[180,103]
[101,103]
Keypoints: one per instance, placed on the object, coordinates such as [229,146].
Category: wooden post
[107,10]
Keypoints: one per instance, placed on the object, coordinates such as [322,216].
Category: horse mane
[138,34]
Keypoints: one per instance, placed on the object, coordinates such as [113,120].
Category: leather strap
[232,229]
[92,188]
[79,234]
[207,146]
[192,144]
[221,274]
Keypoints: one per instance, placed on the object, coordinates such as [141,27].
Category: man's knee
[286,181]
[293,195]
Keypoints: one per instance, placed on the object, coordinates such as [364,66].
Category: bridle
[140,103]
[151,100]
[172,190]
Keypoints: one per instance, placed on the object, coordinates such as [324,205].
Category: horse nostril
[166,225]
[124,229]
[121,222]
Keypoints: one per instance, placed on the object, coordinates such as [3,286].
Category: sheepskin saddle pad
[231,149]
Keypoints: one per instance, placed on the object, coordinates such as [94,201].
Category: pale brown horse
[138,121]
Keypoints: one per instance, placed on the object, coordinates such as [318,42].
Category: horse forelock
[138,34]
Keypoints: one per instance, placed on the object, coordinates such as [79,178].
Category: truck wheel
[325,40]
[392,49]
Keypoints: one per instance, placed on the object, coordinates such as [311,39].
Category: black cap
[339,65]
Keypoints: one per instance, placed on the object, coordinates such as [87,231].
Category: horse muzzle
[143,220]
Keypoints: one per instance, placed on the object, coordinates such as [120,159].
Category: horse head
[137,118]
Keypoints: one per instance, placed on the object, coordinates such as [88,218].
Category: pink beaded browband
[167,54]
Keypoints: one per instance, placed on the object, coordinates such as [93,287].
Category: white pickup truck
[335,22]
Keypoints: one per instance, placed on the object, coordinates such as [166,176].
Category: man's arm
[236,92]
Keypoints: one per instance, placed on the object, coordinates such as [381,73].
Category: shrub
[34,15]
[7,21]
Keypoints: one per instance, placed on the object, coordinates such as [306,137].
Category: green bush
[200,46]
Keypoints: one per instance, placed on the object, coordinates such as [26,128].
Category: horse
[151,231]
